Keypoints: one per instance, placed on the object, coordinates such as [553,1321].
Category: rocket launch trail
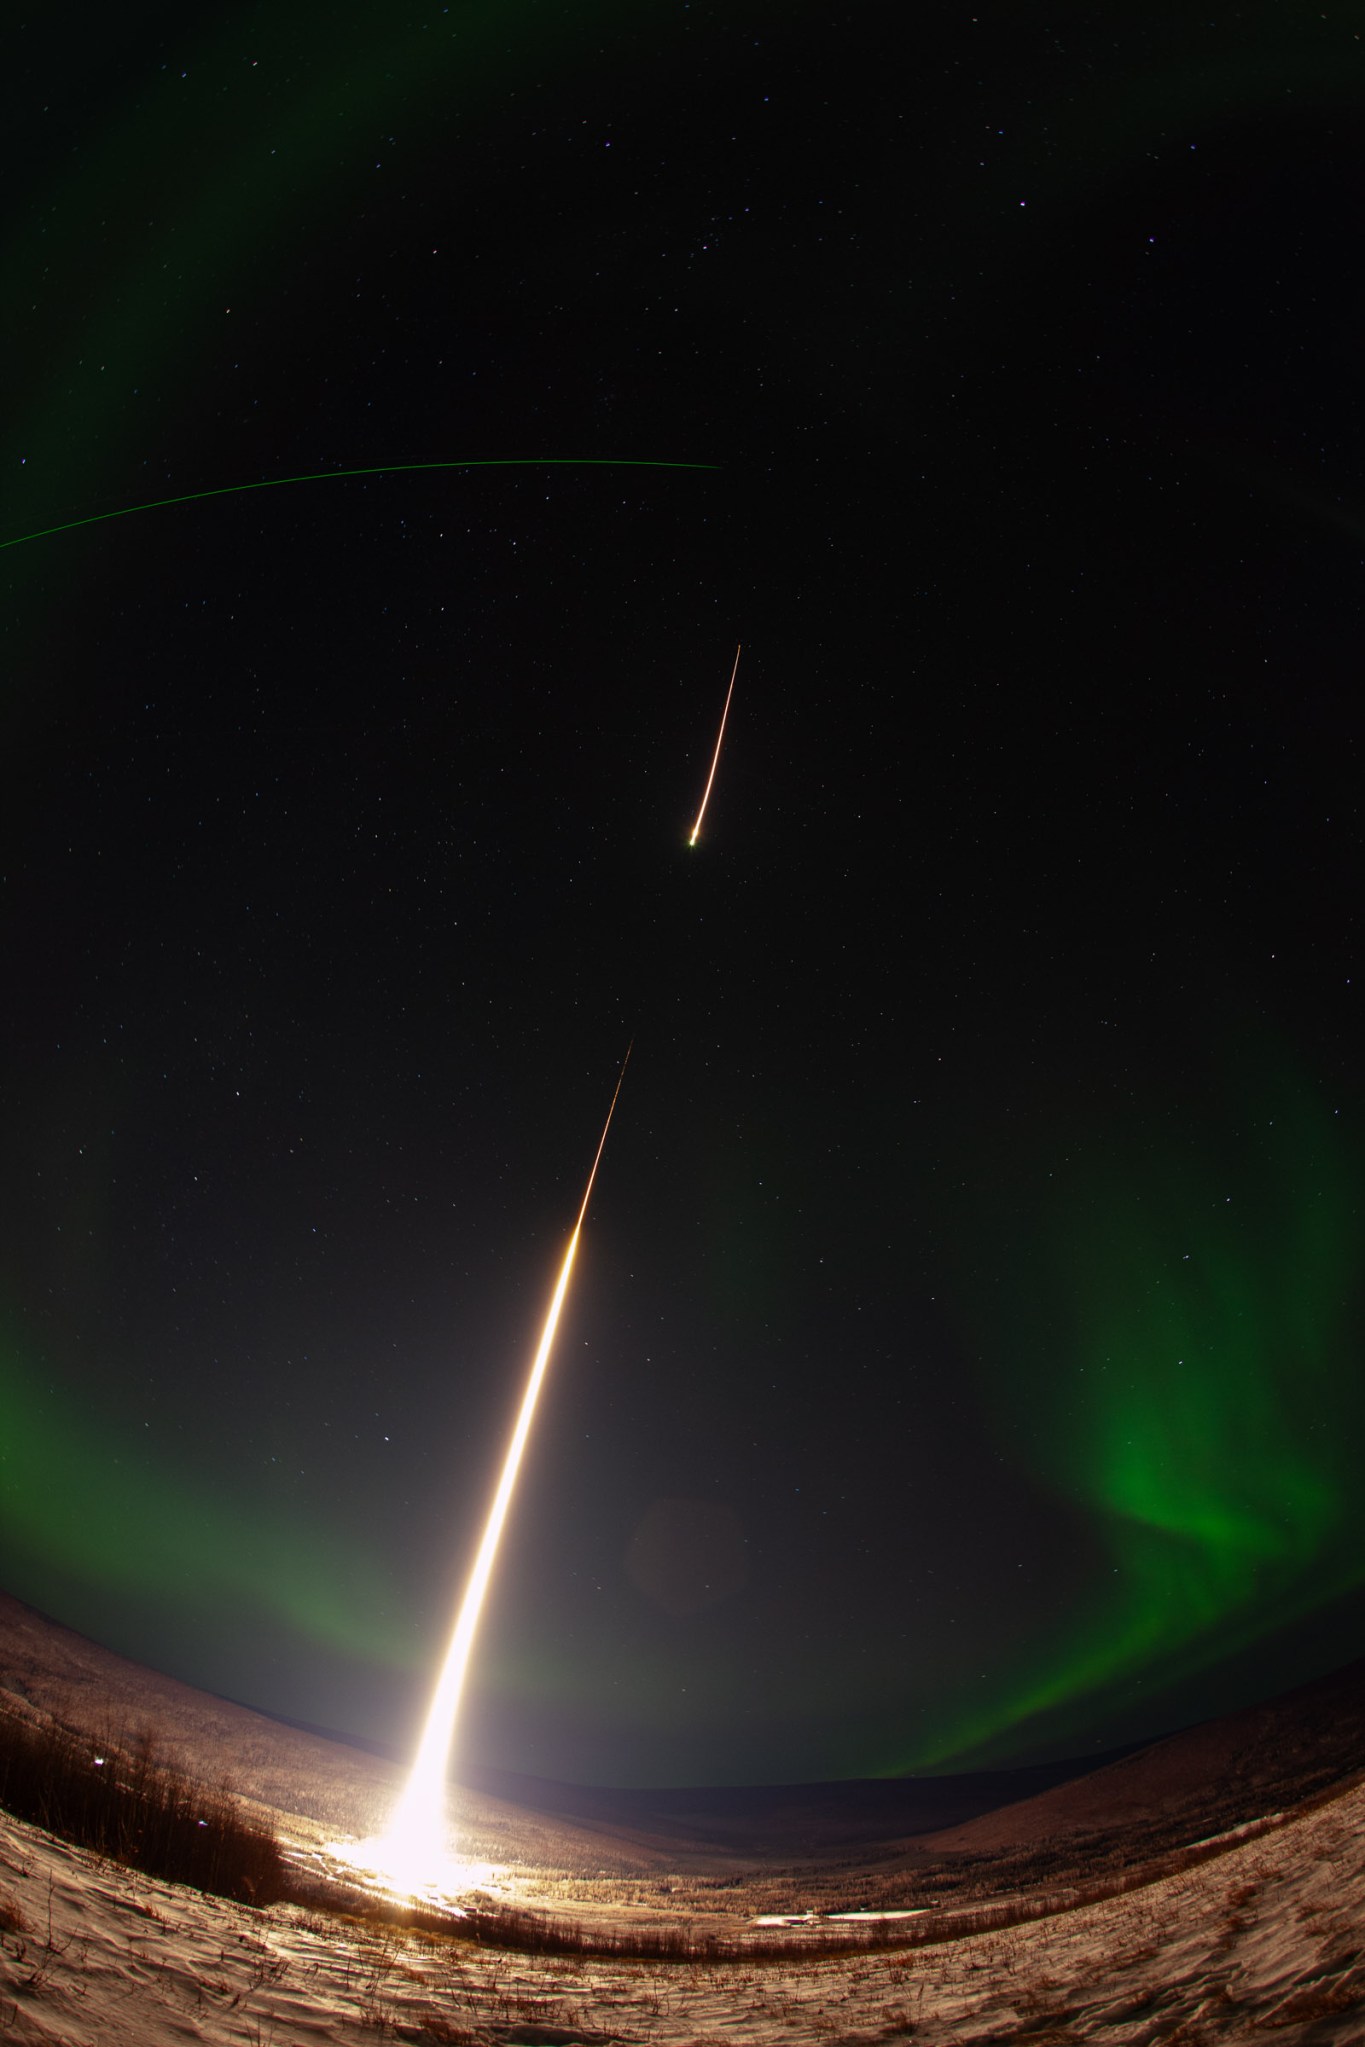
[706,792]
[412,1851]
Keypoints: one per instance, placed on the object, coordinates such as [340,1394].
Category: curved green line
[227,490]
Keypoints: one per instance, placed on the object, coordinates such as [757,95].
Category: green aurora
[1162,1346]
[268,121]
[83,1506]
[1163,1361]
[273,121]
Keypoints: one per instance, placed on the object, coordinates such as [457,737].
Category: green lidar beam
[227,490]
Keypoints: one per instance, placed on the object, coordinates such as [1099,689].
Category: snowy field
[1263,1943]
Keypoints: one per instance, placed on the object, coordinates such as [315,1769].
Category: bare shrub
[118,1798]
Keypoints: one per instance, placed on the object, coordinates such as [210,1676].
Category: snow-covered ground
[1265,1942]
[1262,1942]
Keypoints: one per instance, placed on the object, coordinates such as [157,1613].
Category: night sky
[962,1364]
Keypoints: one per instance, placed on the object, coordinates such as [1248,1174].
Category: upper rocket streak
[706,792]
[416,1827]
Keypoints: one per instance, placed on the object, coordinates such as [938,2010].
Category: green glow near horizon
[336,475]
[84,1500]
[1173,1368]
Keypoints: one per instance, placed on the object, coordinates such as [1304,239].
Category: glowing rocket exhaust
[413,1852]
[706,792]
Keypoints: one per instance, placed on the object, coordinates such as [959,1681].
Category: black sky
[962,1363]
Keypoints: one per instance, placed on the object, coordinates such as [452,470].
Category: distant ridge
[1202,1780]
[1112,1809]
[793,1818]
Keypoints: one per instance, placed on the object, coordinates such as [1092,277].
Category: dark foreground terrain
[1205,1888]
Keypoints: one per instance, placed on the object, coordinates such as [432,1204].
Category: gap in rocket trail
[412,1852]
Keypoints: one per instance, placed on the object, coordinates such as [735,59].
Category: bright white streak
[412,1851]
[706,792]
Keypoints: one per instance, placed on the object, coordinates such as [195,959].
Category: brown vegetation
[116,1797]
